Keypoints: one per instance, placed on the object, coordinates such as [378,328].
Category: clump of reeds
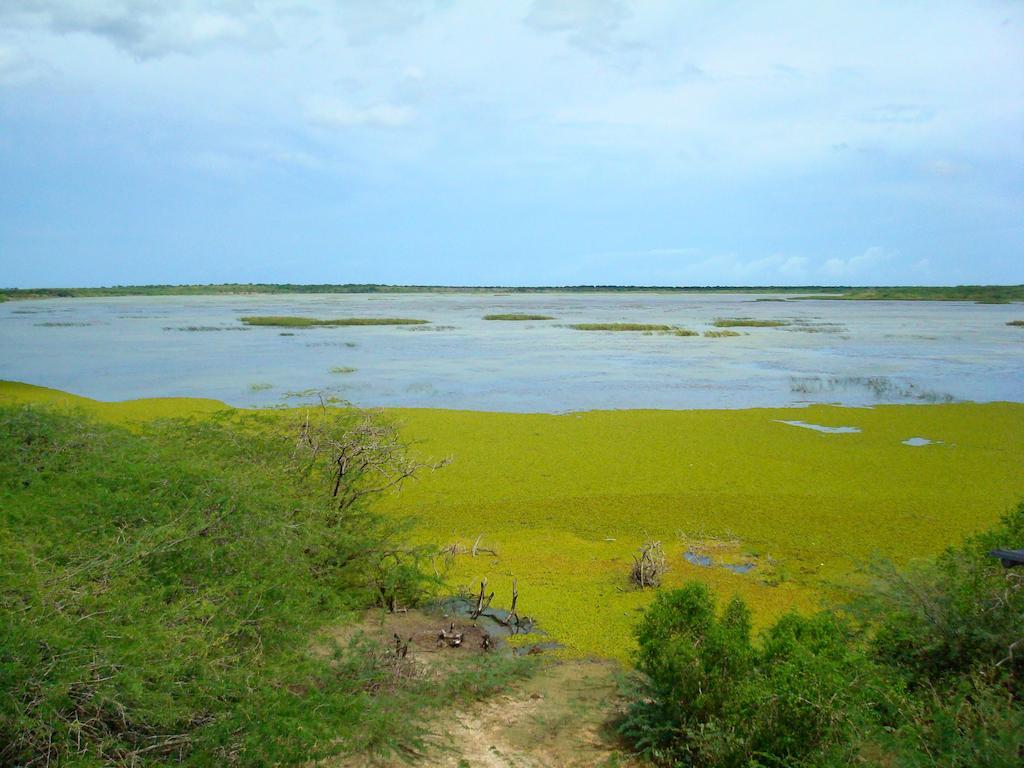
[1016,323]
[720,334]
[684,332]
[342,369]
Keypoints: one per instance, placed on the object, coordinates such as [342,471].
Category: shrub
[960,615]
[930,675]
[159,587]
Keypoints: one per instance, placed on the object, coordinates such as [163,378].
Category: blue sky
[533,142]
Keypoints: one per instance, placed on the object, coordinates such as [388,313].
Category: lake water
[854,353]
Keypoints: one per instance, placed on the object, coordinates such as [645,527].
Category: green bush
[930,675]
[160,588]
[708,697]
[960,615]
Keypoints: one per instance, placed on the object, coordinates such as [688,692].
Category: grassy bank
[565,500]
[163,588]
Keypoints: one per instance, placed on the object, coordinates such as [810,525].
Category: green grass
[285,321]
[162,585]
[342,369]
[518,317]
[720,334]
[620,327]
[1016,323]
[260,387]
[747,322]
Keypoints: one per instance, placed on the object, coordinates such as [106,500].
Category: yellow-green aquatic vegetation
[721,334]
[1016,323]
[684,332]
[747,322]
[518,317]
[566,500]
[343,369]
[285,321]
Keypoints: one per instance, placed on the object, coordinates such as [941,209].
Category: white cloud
[864,265]
[331,113]
[145,28]
[17,67]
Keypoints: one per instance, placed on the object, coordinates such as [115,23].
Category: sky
[521,142]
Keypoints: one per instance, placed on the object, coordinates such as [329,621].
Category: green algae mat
[776,512]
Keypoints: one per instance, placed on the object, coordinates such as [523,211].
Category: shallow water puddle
[917,442]
[705,561]
[820,428]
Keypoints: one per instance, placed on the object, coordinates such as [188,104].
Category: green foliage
[959,616]
[931,676]
[285,321]
[1016,323]
[721,334]
[708,697]
[159,589]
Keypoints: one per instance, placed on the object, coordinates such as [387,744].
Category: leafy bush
[960,615]
[708,697]
[931,675]
[160,586]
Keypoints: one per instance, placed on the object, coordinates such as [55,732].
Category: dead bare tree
[649,566]
[361,453]
[482,602]
[512,620]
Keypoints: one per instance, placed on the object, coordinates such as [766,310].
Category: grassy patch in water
[721,334]
[747,322]
[342,369]
[621,327]
[260,387]
[518,317]
[1016,323]
[288,321]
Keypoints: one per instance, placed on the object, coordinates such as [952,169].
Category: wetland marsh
[848,352]
[761,499]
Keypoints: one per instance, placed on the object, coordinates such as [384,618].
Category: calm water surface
[854,353]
